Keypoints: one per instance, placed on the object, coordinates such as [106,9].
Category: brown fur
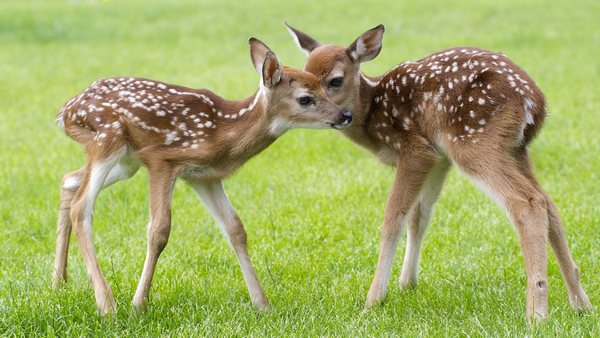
[467,106]
[174,131]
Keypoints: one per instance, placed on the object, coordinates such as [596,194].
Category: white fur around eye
[300,92]
[337,71]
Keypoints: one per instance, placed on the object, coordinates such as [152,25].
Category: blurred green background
[313,202]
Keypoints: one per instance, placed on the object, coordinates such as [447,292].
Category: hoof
[139,306]
[262,305]
[106,303]
[58,282]
[407,285]
[374,299]
[536,320]
[582,303]
[107,308]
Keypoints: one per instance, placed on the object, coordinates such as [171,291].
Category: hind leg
[125,169]
[577,296]
[69,186]
[82,210]
[499,175]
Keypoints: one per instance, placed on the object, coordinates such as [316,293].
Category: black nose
[347,116]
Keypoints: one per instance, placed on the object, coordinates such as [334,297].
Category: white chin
[340,126]
[281,126]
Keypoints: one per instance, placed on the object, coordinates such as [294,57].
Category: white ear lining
[361,48]
[295,37]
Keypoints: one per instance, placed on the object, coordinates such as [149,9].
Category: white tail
[467,106]
[178,132]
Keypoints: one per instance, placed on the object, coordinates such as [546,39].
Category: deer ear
[367,46]
[271,70]
[258,53]
[304,42]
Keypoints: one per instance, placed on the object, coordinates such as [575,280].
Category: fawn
[465,106]
[174,131]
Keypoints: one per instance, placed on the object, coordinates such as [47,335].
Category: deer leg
[82,210]
[418,221]
[216,201]
[410,176]
[527,209]
[162,182]
[577,296]
[69,186]
[126,168]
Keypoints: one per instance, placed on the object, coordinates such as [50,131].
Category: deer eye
[305,100]
[336,81]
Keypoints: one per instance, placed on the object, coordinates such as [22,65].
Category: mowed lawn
[312,203]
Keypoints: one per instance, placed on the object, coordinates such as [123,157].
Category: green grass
[313,202]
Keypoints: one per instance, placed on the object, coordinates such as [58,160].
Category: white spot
[406,123]
[528,116]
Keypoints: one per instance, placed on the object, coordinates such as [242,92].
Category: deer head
[338,67]
[295,99]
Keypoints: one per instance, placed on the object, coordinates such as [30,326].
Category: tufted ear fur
[271,70]
[265,62]
[304,42]
[367,46]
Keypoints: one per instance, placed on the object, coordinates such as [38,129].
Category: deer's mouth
[339,126]
[346,120]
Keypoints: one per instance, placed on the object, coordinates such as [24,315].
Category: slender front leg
[418,221]
[410,175]
[162,181]
[216,201]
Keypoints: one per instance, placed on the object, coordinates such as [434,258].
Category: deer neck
[245,127]
[359,105]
